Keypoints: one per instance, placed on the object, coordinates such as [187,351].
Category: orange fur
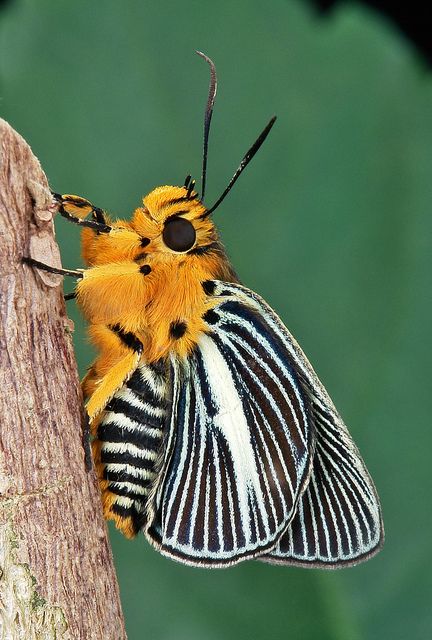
[115,293]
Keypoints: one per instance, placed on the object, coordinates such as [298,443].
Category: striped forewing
[240,446]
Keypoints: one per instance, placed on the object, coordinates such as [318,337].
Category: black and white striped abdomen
[131,433]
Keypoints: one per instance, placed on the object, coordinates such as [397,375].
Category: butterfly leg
[75,209]
[75,273]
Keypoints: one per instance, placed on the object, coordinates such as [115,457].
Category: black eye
[179,234]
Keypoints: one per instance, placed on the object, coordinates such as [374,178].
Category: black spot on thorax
[145,269]
[177,329]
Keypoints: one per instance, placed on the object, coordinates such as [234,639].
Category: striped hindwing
[338,519]
[240,440]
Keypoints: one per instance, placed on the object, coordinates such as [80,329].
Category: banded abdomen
[130,439]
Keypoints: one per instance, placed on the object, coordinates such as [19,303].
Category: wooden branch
[57,578]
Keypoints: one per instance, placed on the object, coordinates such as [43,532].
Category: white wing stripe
[232,424]
[270,399]
[275,378]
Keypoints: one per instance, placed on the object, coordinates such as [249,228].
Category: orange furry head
[167,214]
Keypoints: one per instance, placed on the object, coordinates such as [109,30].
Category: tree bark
[57,578]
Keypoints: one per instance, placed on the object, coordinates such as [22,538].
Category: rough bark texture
[57,578]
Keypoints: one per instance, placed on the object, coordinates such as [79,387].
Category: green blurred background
[331,223]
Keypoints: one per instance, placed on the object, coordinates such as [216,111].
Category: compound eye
[179,234]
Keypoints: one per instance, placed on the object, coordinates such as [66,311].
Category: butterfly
[212,433]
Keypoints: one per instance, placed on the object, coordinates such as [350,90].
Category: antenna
[243,164]
[207,117]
